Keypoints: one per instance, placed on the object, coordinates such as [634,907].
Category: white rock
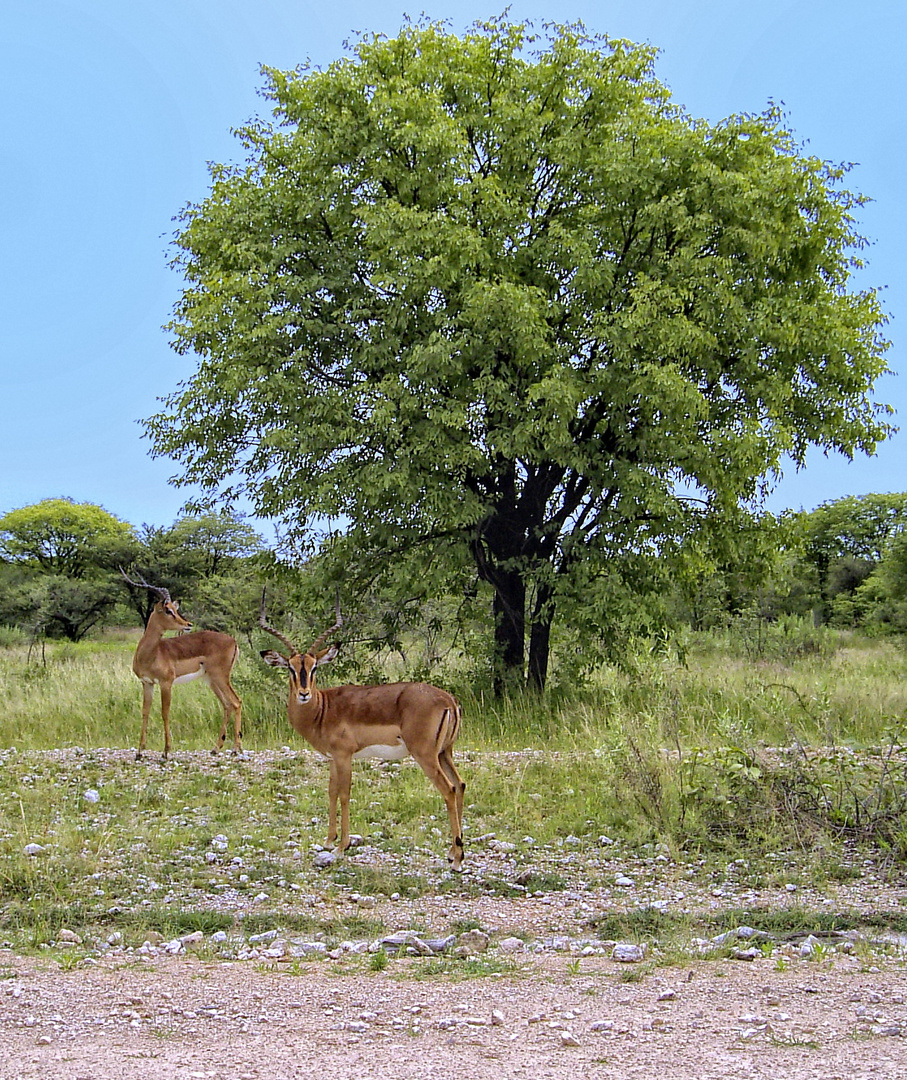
[406,939]
[626,953]
[308,948]
[746,954]
[33,849]
[267,935]
[472,942]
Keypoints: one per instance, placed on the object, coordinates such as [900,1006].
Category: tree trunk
[509,631]
[540,638]
[539,650]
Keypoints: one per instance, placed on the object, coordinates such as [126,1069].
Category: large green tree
[498,294]
[61,536]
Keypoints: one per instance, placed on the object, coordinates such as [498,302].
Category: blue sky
[111,110]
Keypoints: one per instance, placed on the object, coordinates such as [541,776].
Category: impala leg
[447,780]
[237,723]
[339,791]
[166,689]
[147,698]
[450,771]
[232,706]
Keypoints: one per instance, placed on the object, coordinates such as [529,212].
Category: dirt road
[707,1020]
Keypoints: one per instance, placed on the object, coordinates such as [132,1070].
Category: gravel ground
[560,1007]
[185,1018]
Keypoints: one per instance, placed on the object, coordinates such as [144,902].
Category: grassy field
[850,692]
[792,760]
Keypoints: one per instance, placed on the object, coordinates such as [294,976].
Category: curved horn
[327,633]
[164,594]
[270,629]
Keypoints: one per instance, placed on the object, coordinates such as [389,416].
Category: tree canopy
[498,298]
[65,537]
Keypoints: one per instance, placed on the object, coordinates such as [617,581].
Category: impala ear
[275,659]
[328,655]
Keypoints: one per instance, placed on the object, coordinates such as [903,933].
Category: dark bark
[540,638]
[509,631]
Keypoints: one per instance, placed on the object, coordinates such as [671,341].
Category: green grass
[855,695]
[709,759]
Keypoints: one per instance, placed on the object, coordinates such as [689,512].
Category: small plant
[819,952]
[634,973]
[378,961]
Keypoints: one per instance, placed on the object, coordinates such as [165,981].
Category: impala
[160,661]
[389,722]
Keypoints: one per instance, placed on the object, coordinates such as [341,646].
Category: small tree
[67,552]
[70,607]
[846,539]
[200,554]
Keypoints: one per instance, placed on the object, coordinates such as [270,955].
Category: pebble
[472,943]
[625,953]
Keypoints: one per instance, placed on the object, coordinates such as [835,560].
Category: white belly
[382,753]
[200,674]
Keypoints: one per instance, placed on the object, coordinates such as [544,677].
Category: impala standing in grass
[390,721]
[160,661]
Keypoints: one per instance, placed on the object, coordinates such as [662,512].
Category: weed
[470,967]
[378,961]
[634,973]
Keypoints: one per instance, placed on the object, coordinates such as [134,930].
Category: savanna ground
[665,806]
